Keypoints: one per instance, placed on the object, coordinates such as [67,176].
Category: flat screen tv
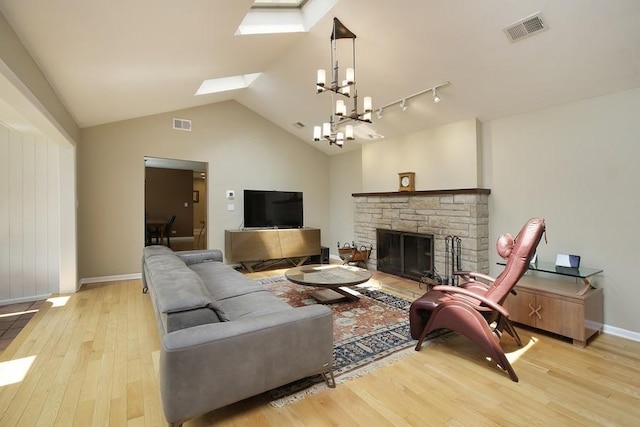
[273,209]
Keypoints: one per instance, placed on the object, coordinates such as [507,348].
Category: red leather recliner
[474,306]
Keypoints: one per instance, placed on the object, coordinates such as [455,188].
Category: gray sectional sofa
[224,337]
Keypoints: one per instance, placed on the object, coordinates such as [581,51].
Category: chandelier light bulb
[379,113]
[326,130]
[317,131]
[350,76]
[340,138]
[348,133]
[341,108]
[322,78]
[368,105]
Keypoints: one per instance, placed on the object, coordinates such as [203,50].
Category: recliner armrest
[474,275]
[454,290]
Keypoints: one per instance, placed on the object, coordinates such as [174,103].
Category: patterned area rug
[368,334]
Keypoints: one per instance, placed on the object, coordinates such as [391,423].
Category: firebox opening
[404,254]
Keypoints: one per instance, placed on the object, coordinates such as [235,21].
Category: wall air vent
[526,27]
[182,124]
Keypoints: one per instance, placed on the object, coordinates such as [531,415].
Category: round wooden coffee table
[335,278]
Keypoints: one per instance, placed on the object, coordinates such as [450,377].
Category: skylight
[279,3]
[226,83]
[283,16]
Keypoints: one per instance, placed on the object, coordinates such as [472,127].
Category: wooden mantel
[425,193]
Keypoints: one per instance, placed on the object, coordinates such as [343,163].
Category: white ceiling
[120,59]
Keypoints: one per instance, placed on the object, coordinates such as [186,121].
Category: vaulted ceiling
[121,59]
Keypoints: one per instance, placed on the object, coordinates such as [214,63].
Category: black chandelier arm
[353,117]
[334,88]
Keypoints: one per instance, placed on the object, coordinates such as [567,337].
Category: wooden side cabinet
[556,306]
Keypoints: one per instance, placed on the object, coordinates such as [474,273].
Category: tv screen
[273,209]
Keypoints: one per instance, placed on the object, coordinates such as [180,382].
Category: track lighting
[403,101]
[436,98]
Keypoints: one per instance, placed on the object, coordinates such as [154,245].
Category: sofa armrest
[200,256]
[209,366]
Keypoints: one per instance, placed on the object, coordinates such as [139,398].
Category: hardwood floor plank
[94,365]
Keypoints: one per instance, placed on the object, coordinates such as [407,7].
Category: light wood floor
[87,360]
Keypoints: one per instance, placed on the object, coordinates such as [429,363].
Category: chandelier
[336,130]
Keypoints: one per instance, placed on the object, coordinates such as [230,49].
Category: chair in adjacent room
[168,228]
[158,230]
[474,308]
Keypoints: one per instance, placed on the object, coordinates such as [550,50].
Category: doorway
[175,202]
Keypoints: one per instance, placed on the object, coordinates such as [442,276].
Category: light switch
[231,207]
[186,204]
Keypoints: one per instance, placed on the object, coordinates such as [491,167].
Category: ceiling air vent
[525,27]
[182,124]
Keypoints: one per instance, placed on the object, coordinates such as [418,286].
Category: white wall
[29,217]
[29,106]
[243,150]
[575,165]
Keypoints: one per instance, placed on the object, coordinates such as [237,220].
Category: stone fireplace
[438,214]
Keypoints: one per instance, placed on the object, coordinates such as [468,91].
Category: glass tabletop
[549,267]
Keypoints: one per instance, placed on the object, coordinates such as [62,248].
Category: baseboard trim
[623,333]
[101,279]
[24,299]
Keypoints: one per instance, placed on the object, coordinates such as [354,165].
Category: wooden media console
[254,248]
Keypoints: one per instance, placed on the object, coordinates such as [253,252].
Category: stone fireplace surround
[463,213]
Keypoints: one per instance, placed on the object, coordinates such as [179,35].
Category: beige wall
[17,66]
[346,179]
[445,157]
[243,150]
[576,165]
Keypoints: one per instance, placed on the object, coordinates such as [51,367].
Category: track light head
[436,98]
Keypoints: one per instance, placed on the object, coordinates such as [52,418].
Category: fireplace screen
[404,254]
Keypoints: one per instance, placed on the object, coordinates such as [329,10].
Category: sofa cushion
[224,282]
[253,304]
[179,289]
[159,264]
